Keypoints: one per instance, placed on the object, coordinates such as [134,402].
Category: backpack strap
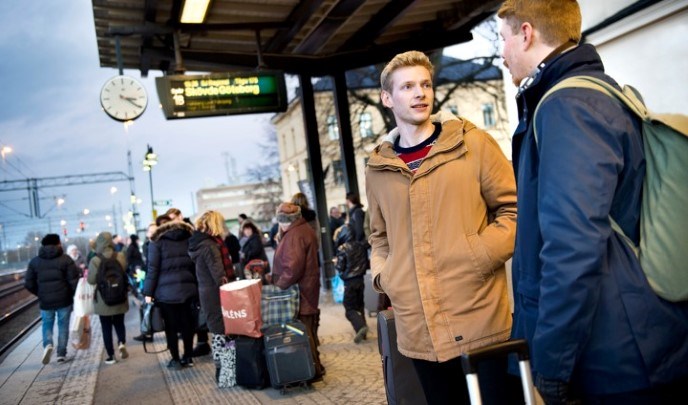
[629,97]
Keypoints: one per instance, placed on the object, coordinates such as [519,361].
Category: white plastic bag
[83,298]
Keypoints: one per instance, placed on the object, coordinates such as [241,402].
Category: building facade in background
[480,100]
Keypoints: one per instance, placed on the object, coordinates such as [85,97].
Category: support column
[346,140]
[317,176]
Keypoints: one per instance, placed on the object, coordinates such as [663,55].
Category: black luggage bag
[251,369]
[288,355]
[402,385]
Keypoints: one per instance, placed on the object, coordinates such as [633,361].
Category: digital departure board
[188,96]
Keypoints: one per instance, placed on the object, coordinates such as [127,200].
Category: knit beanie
[51,239]
[287,213]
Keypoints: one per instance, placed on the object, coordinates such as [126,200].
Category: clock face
[123,98]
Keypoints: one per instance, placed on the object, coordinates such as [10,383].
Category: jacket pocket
[480,257]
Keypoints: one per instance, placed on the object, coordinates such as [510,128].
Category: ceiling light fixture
[194,11]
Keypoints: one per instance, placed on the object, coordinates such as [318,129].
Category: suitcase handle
[470,360]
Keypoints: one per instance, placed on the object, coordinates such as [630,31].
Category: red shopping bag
[240,302]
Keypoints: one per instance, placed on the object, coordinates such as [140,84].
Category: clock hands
[130,99]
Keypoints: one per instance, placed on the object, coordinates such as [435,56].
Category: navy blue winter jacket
[171,274]
[581,298]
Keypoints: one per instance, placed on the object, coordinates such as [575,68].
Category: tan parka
[440,239]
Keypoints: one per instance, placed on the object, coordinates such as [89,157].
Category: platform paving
[353,372]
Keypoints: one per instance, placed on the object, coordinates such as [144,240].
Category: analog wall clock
[123,98]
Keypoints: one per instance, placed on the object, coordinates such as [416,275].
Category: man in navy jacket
[596,330]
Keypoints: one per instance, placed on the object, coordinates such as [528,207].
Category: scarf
[226,259]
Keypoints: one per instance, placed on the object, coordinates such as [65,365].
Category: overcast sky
[51,118]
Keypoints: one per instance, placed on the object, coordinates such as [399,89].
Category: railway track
[20,312]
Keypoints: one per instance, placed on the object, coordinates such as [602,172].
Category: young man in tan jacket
[442,206]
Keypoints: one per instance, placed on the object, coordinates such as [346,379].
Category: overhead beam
[297,19]
[335,18]
[377,24]
[315,66]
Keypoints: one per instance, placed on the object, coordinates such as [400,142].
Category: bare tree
[266,175]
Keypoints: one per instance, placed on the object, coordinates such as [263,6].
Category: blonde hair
[558,21]
[212,223]
[406,59]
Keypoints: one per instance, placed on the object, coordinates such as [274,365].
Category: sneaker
[201,349]
[123,351]
[110,360]
[186,362]
[143,338]
[61,359]
[361,334]
[47,352]
[174,364]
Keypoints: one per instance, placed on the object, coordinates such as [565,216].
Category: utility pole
[134,211]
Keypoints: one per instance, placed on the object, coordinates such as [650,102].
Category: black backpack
[112,282]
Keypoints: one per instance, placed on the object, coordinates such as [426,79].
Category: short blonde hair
[406,59]
[212,223]
[558,21]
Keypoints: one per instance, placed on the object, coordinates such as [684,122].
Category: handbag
[337,289]
[83,298]
[82,339]
[240,301]
[224,356]
[279,306]
[151,322]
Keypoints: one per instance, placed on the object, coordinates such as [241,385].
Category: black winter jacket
[356,220]
[352,256]
[253,249]
[206,254]
[52,276]
[171,274]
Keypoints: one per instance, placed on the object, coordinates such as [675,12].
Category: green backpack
[664,208]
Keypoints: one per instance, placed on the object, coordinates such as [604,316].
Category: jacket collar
[169,227]
[582,59]
[451,138]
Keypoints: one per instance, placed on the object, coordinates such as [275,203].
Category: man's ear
[527,34]
[386,98]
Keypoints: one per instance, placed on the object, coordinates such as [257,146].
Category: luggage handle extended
[470,361]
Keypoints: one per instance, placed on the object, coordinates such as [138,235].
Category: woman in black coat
[253,248]
[171,281]
[212,269]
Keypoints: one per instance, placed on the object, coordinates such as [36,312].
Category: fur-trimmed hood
[173,230]
[440,116]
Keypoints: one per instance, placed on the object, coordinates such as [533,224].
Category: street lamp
[150,160]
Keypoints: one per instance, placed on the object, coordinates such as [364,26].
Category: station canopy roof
[312,37]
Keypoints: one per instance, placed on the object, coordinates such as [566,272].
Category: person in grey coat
[110,315]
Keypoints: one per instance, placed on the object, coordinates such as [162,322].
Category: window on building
[332,127]
[365,125]
[488,115]
[338,172]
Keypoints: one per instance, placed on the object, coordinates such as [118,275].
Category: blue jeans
[48,316]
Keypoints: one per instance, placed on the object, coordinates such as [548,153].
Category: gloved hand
[555,392]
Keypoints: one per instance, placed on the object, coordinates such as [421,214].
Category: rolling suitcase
[370,296]
[251,369]
[471,360]
[402,385]
[288,355]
